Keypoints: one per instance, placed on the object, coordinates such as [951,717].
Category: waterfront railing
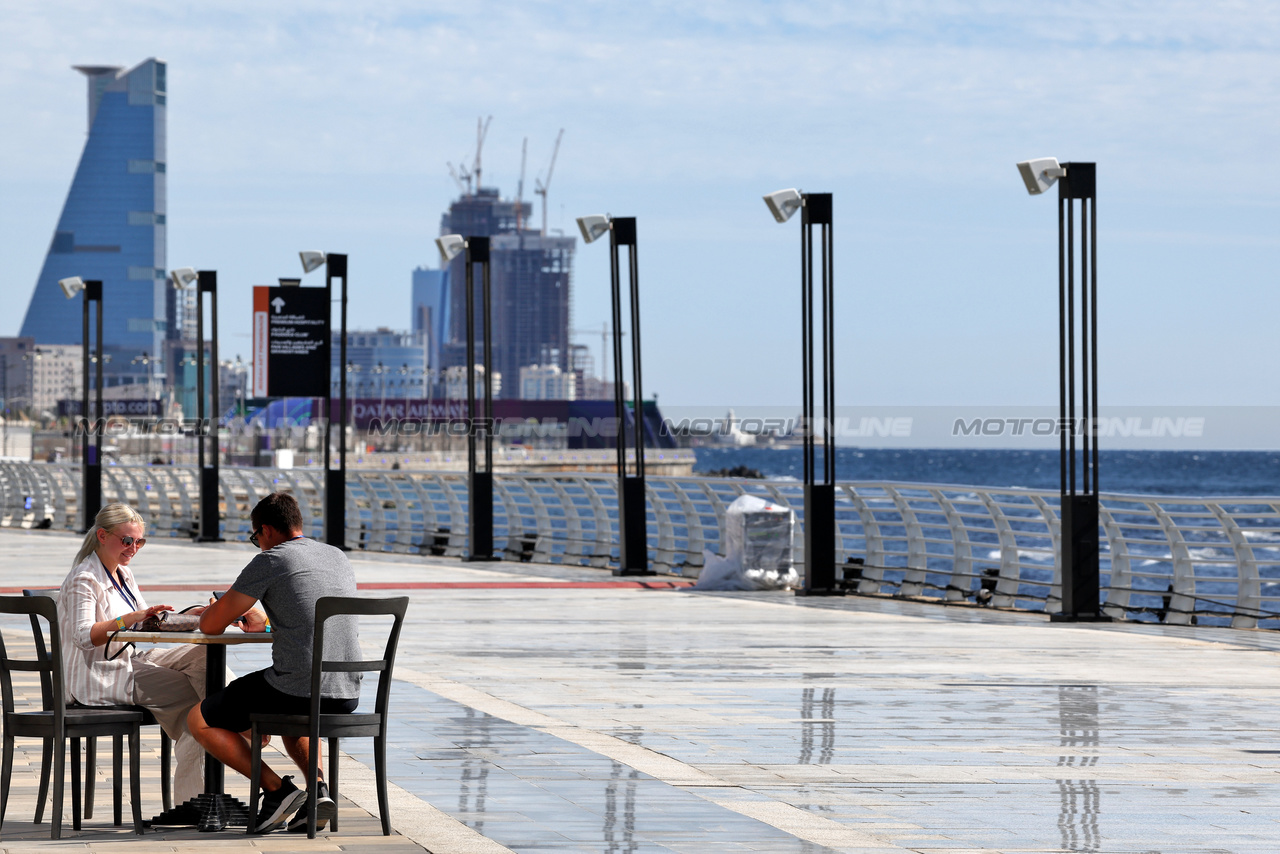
[1171,559]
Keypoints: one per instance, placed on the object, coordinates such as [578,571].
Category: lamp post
[90,455]
[479,483]
[335,481]
[633,545]
[819,491]
[206,282]
[1077,374]
[145,360]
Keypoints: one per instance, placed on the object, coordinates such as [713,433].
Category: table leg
[215,679]
[214,810]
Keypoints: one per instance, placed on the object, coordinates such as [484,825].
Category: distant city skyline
[326,127]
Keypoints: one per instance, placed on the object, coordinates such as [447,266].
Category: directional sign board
[290,342]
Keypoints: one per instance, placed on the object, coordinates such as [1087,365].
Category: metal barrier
[1174,559]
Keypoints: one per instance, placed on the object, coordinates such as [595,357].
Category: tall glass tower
[112,226]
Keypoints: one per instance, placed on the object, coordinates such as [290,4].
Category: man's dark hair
[280,511]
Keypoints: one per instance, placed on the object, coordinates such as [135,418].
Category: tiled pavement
[630,720]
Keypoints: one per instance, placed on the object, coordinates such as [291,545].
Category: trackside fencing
[1172,559]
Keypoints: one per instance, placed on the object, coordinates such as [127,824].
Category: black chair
[333,727]
[91,744]
[55,723]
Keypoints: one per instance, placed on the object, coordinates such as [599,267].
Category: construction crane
[482,130]
[524,154]
[462,176]
[540,186]
[604,346]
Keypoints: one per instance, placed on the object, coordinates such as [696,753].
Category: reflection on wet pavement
[610,722]
[818,715]
[528,790]
[1081,799]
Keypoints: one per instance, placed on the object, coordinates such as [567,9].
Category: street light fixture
[1078,467]
[206,282]
[819,494]
[91,453]
[479,483]
[633,537]
[335,481]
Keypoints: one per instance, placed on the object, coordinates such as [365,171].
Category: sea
[1187,473]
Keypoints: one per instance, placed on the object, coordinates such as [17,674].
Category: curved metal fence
[1180,560]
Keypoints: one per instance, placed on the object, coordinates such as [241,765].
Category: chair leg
[75,784]
[166,771]
[380,770]
[135,784]
[59,783]
[333,782]
[313,784]
[46,759]
[117,778]
[255,776]
[90,773]
[6,769]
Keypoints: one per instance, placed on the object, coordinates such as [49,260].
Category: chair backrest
[42,652]
[335,606]
[48,665]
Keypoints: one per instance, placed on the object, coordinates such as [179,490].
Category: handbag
[170,621]
[165,621]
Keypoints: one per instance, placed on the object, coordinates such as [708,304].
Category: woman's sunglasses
[129,541]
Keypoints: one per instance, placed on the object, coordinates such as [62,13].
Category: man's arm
[232,606]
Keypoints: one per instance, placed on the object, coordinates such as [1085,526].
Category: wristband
[120,623]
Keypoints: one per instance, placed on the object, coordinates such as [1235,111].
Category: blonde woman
[100,596]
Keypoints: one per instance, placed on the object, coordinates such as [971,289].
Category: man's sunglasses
[129,541]
[253,538]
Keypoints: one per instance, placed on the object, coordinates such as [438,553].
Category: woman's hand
[100,632]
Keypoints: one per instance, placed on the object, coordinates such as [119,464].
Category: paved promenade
[544,708]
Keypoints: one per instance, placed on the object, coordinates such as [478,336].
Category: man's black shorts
[230,708]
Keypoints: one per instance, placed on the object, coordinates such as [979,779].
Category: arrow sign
[277,304]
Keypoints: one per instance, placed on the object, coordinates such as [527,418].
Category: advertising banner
[290,342]
[131,408]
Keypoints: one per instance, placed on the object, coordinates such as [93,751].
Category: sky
[328,125]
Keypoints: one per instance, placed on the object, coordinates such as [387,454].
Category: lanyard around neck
[123,590]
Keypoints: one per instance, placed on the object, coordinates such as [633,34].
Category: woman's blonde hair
[108,519]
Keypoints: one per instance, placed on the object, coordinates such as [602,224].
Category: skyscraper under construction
[531,276]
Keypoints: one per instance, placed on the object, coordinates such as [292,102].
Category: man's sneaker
[325,810]
[276,806]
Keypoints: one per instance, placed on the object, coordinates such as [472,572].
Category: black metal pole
[91,448]
[1080,558]
[479,483]
[210,530]
[633,536]
[819,496]
[335,492]
[1063,332]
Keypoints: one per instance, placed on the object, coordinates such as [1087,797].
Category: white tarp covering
[757,540]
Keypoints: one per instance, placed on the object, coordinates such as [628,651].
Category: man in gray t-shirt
[289,575]
[287,580]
